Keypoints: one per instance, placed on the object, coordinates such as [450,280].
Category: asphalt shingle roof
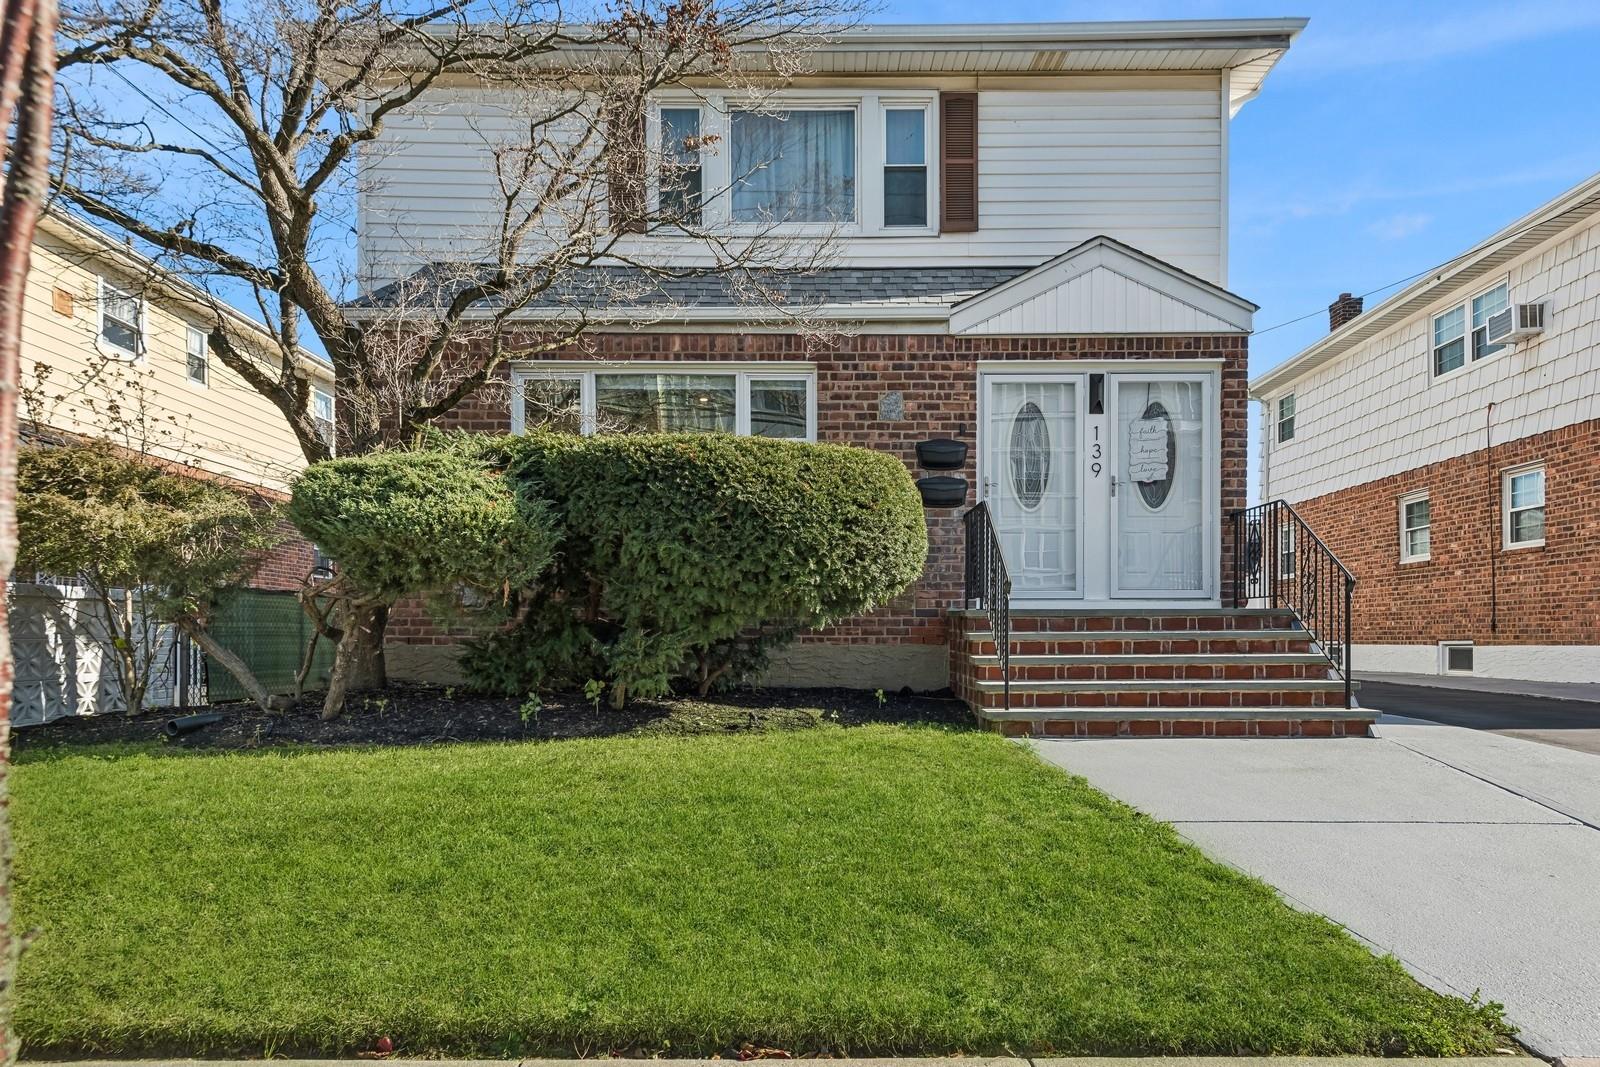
[620,288]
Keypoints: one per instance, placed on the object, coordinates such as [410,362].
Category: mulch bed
[422,715]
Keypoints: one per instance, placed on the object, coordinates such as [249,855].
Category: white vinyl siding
[1416,528]
[1056,166]
[226,428]
[1522,507]
[1381,411]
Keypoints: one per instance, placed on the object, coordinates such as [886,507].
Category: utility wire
[1480,246]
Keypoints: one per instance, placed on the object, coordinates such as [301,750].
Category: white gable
[1103,287]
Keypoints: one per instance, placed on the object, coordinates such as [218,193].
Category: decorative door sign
[1147,449]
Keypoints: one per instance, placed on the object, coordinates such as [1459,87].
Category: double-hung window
[762,401]
[682,174]
[1461,333]
[905,166]
[1286,418]
[794,166]
[322,415]
[1416,528]
[197,358]
[1523,506]
[121,320]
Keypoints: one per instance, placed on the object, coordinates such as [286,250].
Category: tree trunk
[358,659]
[231,663]
[27,77]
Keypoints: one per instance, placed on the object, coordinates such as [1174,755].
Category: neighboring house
[114,347]
[124,342]
[1032,245]
[1446,444]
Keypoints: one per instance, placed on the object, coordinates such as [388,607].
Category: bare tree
[270,116]
[27,76]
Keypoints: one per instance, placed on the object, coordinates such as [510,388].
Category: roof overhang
[1457,275]
[1246,49]
[1103,286]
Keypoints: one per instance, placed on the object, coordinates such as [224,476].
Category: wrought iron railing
[988,585]
[1281,562]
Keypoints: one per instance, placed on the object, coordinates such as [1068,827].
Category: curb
[929,1061]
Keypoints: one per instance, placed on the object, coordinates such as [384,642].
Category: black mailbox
[941,454]
[942,491]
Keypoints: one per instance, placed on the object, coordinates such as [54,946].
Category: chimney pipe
[1343,310]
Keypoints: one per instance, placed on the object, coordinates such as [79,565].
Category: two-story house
[1446,443]
[1031,227]
[115,347]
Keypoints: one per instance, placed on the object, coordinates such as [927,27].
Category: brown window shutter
[958,162]
[625,169]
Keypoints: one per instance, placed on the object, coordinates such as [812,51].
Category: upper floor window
[794,166]
[1286,418]
[121,319]
[1523,506]
[863,163]
[1416,528]
[758,401]
[322,415]
[197,357]
[682,183]
[1463,331]
[905,166]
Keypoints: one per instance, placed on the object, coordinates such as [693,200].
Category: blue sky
[1391,138]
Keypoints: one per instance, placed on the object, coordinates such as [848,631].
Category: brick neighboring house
[1460,477]
[1034,255]
[124,342]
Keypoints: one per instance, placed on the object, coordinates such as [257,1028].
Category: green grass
[876,889]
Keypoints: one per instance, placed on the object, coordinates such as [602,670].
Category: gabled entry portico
[1102,477]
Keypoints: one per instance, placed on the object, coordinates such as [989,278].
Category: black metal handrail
[1279,560]
[988,585]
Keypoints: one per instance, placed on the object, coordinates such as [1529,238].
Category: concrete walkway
[1587,692]
[1473,858]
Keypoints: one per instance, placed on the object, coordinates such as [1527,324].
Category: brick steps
[1130,672]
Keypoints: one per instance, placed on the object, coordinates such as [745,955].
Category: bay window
[759,400]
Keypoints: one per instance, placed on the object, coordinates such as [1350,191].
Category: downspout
[1494,512]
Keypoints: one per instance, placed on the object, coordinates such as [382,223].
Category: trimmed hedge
[689,556]
[408,523]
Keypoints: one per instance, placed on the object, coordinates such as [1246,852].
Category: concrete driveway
[1473,858]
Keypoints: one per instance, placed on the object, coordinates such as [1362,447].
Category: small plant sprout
[449,692]
[592,690]
[880,697]
[529,712]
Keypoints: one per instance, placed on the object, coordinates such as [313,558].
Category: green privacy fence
[269,631]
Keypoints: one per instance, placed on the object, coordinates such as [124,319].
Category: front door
[1031,431]
[1161,513]
[1102,486]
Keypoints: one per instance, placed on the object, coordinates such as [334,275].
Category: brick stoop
[1229,672]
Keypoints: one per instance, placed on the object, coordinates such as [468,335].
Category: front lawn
[877,889]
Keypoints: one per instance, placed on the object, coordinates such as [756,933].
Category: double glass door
[1102,486]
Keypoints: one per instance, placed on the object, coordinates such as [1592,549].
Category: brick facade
[1471,588]
[937,377]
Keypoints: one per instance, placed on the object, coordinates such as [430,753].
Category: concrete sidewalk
[1473,859]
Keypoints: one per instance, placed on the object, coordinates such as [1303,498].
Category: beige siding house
[114,347]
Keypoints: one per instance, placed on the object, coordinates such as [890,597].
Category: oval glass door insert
[1154,492]
[1030,455]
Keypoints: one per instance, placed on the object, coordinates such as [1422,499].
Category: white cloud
[1438,36]
[1400,225]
